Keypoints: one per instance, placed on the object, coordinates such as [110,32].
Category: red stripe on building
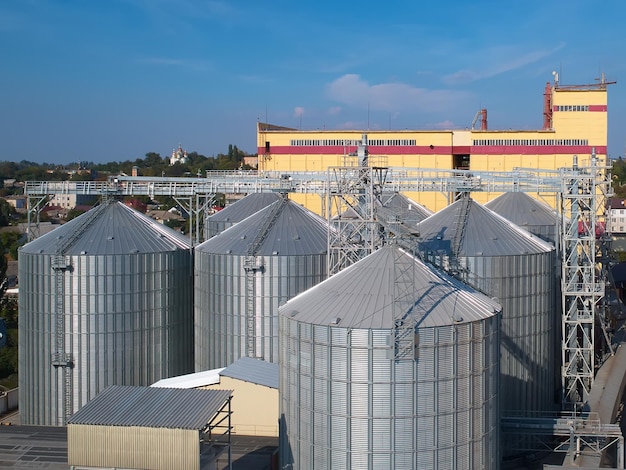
[538,150]
[372,149]
[439,150]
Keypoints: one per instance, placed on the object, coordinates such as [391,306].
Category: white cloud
[499,60]
[298,111]
[352,90]
[334,110]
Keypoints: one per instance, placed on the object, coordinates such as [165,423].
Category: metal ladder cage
[61,265]
[254,264]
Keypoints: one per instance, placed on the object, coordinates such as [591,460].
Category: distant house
[70,201]
[19,202]
[617,216]
[164,216]
[137,205]
[251,160]
[55,212]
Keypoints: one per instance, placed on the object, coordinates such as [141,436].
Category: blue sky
[105,80]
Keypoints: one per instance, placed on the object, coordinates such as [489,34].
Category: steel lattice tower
[582,208]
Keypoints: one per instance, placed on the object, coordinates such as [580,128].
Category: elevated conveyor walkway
[604,401]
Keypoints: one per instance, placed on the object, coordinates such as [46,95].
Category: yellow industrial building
[574,123]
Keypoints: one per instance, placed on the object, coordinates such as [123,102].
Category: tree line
[9,243]
[152,164]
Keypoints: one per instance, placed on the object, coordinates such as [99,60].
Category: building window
[351,142]
[529,142]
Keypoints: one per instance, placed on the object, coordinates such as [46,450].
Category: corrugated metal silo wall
[128,321]
[221,303]
[525,287]
[345,404]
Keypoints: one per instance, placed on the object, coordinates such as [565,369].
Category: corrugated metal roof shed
[485,233]
[296,231]
[195,380]
[112,229]
[362,295]
[152,407]
[244,208]
[254,371]
[522,210]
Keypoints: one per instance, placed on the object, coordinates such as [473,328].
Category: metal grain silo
[389,364]
[104,299]
[242,276]
[236,212]
[504,261]
[404,209]
[528,213]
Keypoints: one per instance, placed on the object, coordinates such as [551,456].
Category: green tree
[81,176]
[7,213]
[73,213]
[8,354]
[8,170]
[10,242]
[8,311]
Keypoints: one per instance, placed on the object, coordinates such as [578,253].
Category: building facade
[617,217]
[574,123]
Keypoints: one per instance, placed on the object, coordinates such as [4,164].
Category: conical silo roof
[407,210]
[110,228]
[483,233]
[283,228]
[362,295]
[245,207]
[522,210]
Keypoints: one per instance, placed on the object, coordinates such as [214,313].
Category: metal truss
[582,208]
[574,434]
[353,230]
[197,206]
[35,204]
[195,194]
[405,321]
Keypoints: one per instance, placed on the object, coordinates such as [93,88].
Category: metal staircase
[405,339]
[410,306]
[458,236]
